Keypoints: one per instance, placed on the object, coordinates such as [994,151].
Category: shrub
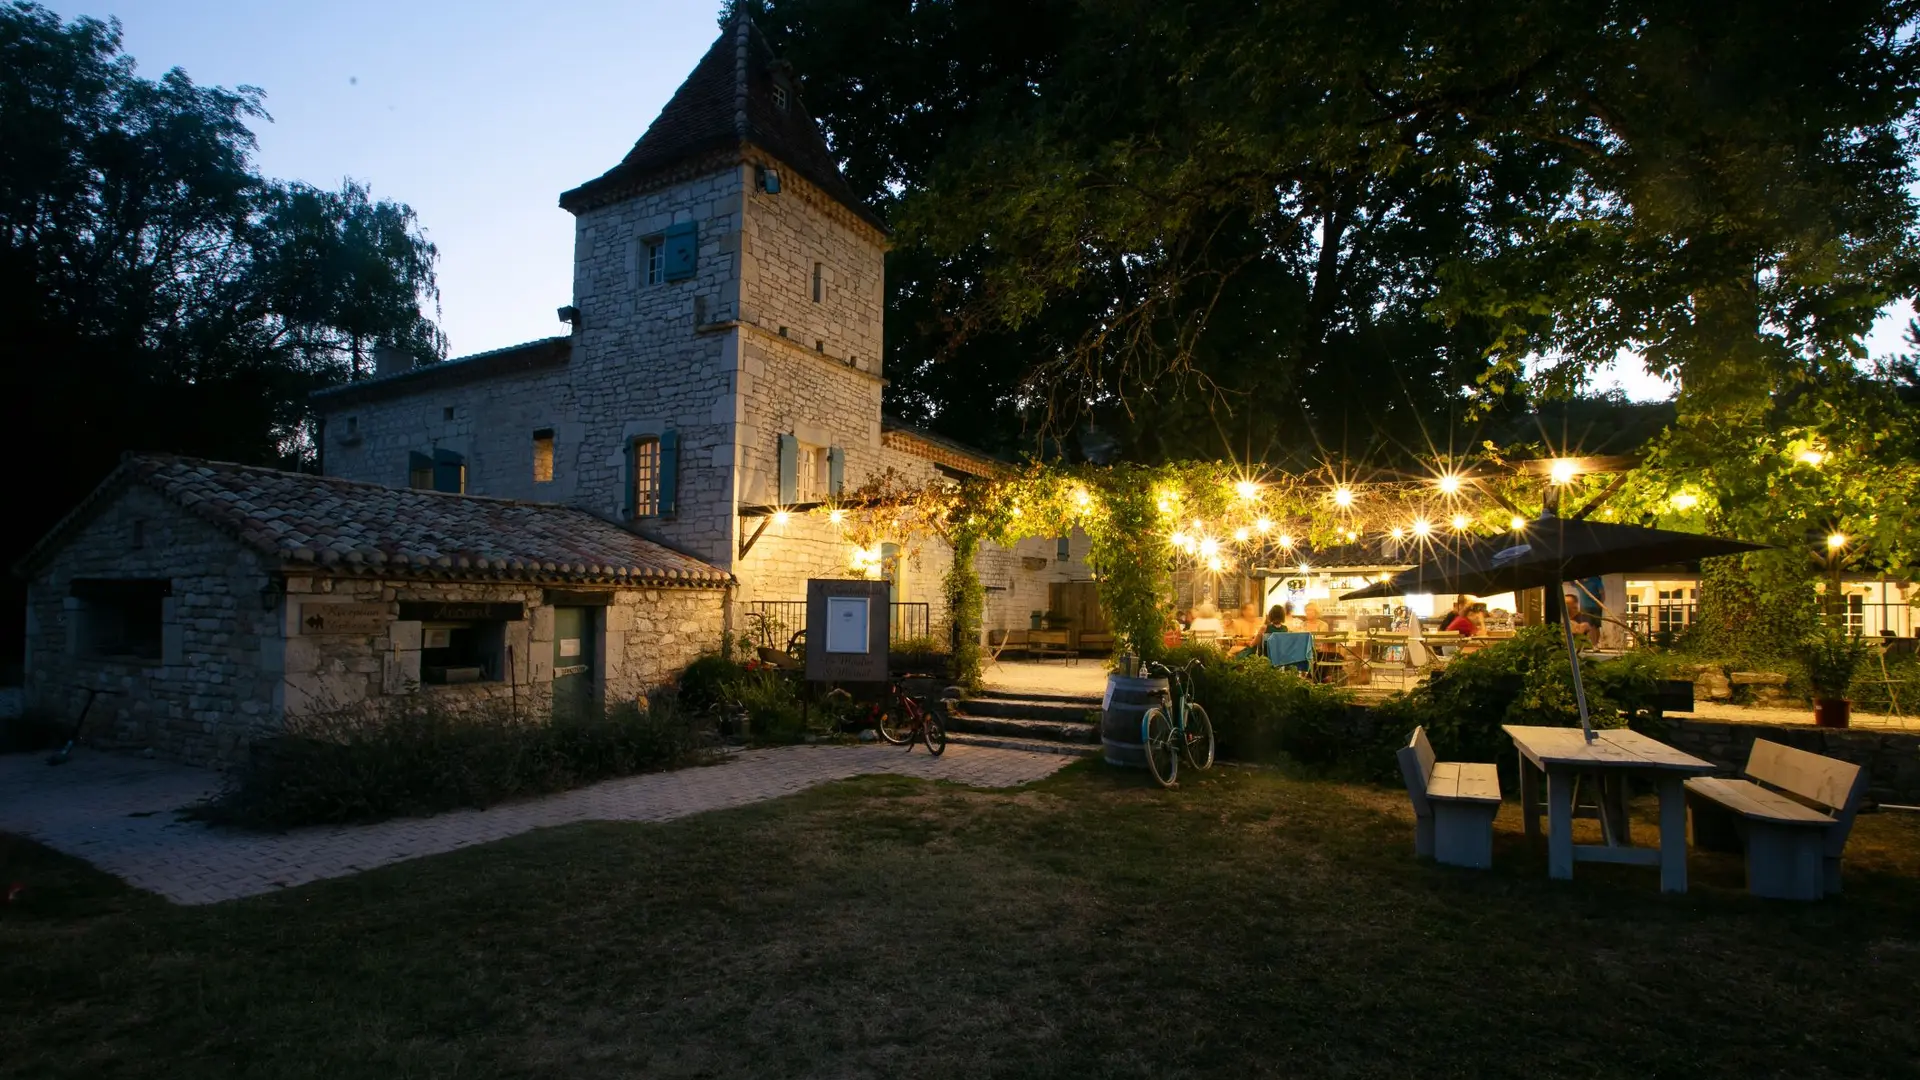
[710,683]
[356,765]
[1261,713]
[1832,657]
[920,655]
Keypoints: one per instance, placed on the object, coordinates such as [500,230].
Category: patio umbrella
[1549,551]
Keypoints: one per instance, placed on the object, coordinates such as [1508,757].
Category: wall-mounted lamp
[570,315]
[770,181]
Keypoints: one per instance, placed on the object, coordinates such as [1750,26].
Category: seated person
[1461,622]
[1276,619]
[1246,624]
[1584,625]
[1310,621]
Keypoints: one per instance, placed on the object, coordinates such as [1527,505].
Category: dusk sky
[476,114]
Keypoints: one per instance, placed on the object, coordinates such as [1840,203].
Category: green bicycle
[1177,727]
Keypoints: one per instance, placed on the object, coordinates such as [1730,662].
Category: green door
[573,661]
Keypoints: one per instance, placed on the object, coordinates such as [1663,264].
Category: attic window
[780,97]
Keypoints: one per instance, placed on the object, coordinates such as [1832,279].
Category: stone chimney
[389,360]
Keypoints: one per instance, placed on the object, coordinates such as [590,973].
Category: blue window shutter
[626,486]
[836,471]
[449,472]
[419,470]
[789,469]
[669,470]
[682,243]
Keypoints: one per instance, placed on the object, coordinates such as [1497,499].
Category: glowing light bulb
[1836,541]
[1449,484]
[1562,471]
[781,517]
[1459,523]
[1685,500]
[1214,564]
[1398,533]
[1240,535]
[1209,547]
[1810,456]
[1517,523]
[1305,569]
[836,516]
[1081,498]
[1352,536]
[1343,496]
[1286,541]
[1016,510]
[1178,539]
[1247,490]
[1198,526]
[1165,506]
[1422,527]
[1263,526]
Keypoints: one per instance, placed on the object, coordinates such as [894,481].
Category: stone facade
[236,657]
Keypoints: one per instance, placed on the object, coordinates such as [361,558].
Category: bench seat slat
[1464,781]
[1752,801]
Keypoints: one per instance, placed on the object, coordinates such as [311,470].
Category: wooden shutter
[669,470]
[419,470]
[836,471]
[626,486]
[789,470]
[449,472]
[682,244]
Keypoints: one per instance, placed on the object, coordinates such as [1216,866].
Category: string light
[1449,484]
[1304,568]
[1398,533]
[1081,498]
[1517,523]
[781,517]
[1343,496]
[1198,526]
[1459,523]
[1179,540]
[1286,541]
[836,516]
[1810,456]
[1352,536]
[1562,471]
[1685,500]
[1422,527]
[1209,547]
[1214,564]
[1264,526]
[1836,541]
[1240,535]
[1248,490]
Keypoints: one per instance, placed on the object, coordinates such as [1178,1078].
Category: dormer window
[780,97]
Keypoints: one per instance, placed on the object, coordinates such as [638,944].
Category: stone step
[1072,731]
[1010,742]
[1089,701]
[1060,709]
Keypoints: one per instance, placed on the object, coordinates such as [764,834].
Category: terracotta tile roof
[938,449]
[726,104]
[531,356]
[346,526]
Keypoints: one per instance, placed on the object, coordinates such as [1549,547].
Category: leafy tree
[158,294]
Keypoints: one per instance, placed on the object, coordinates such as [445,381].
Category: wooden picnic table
[1613,757]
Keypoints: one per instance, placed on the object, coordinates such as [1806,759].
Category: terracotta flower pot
[1832,712]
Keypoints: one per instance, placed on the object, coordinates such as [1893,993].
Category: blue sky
[478,115]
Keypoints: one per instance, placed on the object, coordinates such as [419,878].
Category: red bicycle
[902,718]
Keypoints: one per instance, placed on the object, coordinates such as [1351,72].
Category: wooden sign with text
[344,618]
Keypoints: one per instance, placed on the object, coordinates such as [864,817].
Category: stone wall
[1014,592]
[206,695]
[1891,758]
[786,235]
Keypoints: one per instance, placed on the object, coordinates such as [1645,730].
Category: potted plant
[1832,656]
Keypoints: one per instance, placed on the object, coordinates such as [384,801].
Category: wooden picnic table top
[1618,748]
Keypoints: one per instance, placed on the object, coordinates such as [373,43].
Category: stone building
[616,491]
[205,603]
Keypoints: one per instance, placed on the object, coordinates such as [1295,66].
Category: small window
[120,618]
[543,456]
[442,470]
[353,424]
[810,475]
[656,261]
[1062,550]
[420,471]
[780,97]
[139,537]
[819,283]
[446,413]
[463,652]
[646,477]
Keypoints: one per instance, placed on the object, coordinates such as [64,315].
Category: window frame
[543,440]
[644,480]
[654,260]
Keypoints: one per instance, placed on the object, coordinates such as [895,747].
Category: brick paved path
[117,812]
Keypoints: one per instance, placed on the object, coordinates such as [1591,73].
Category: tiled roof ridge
[440,365]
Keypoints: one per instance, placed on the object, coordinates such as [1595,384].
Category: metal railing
[774,622]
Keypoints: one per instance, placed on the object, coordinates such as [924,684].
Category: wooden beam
[1499,498]
[747,544]
[1600,463]
[1605,493]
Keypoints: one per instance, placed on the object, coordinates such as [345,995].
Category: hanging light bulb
[1343,496]
[836,516]
[1398,533]
[1214,564]
[1422,527]
[1517,523]
[1247,490]
[1264,526]
[1449,484]
[1352,536]
[1685,500]
[1081,498]
[1209,547]
[1562,471]
[1198,526]
[1178,539]
[1286,541]
[1240,535]
[1836,541]
[1459,523]
[1810,456]
[781,517]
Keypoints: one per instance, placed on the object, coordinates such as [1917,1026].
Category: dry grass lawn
[1250,924]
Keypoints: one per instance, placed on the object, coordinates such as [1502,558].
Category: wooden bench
[1793,828]
[1097,641]
[1002,642]
[1454,803]
[1042,644]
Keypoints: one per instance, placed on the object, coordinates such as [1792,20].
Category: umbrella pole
[1579,688]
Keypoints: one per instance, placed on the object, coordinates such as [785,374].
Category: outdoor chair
[1454,803]
[1291,650]
[1792,815]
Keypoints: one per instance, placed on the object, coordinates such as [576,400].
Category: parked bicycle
[1177,727]
[901,717]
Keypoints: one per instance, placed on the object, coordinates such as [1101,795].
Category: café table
[1615,755]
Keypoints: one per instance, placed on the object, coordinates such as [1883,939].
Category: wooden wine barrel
[1127,700]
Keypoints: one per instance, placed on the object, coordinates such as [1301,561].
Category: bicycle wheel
[1199,738]
[934,732]
[896,721]
[1163,757]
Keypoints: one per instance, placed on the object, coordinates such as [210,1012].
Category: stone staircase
[1024,720]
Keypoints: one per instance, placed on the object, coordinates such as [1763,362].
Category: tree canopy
[1289,228]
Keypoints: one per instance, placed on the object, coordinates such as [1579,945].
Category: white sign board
[847,624]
